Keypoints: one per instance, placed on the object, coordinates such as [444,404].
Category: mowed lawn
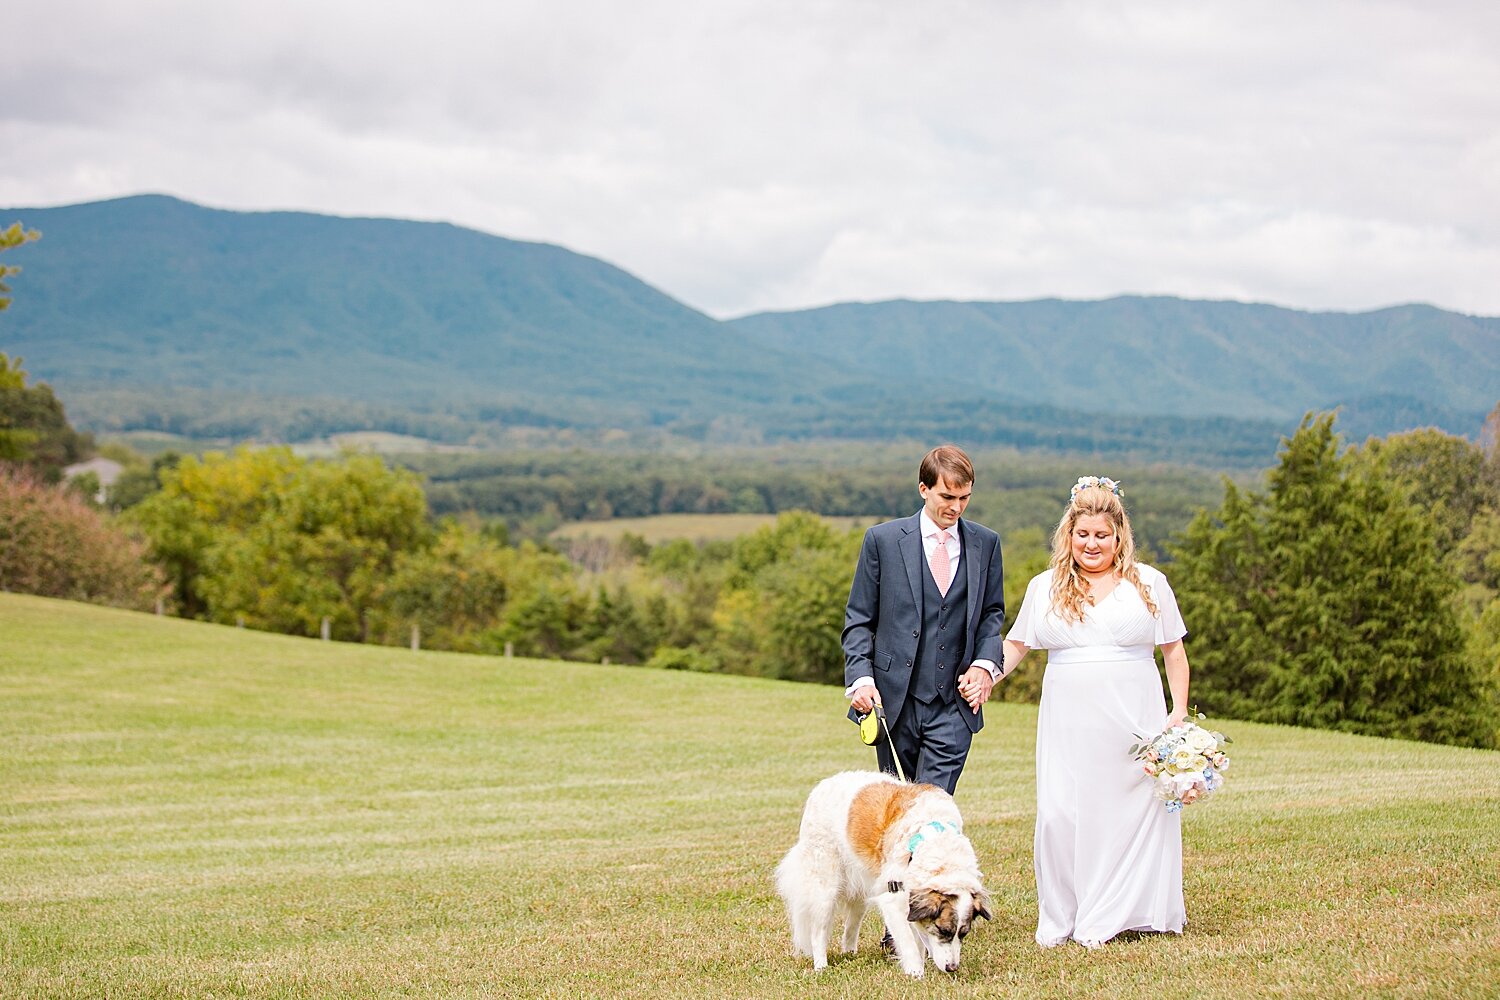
[189,810]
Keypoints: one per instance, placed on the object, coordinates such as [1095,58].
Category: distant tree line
[505,424]
[535,491]
[200,414]
[1223,441]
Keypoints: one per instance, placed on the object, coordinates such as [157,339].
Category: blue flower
[1174,806]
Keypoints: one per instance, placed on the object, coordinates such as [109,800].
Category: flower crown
[1091,482]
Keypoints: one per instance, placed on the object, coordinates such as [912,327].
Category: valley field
[693,527]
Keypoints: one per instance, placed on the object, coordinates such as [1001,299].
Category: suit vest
[945,620]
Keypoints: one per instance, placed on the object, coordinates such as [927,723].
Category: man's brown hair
[949,462]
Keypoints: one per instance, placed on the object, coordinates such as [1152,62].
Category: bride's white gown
[1108,855]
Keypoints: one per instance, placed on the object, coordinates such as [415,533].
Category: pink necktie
[941,573]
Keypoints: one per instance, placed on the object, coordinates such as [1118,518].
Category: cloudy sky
[756,154]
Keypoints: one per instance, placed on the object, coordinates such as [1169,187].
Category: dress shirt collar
[930,529]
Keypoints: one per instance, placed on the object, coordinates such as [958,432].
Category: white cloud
[749,155]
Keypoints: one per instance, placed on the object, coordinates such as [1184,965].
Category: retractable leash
[875,720]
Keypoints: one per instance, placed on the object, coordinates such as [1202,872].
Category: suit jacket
[883,620]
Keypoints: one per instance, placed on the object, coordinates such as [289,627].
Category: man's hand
[864,698]
[975,686]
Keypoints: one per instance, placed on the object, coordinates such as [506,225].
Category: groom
[922,630]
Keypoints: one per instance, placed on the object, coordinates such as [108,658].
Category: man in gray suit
[922,630]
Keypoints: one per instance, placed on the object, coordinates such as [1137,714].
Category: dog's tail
[791,877]
[789,873]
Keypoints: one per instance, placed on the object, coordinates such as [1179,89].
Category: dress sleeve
[1023,629]
[1169,624]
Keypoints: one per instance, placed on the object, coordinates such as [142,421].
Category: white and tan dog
[867,837]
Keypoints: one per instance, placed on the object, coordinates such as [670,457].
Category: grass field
[189,810]
[693,527]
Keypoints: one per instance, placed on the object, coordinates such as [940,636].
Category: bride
[1108,856]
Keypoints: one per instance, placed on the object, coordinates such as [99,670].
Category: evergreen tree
[34,428]
[1324,603]
[546,611]
[1220,575]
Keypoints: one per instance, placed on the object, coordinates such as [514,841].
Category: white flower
[1200,740]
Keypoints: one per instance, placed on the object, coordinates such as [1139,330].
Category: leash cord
[880,714]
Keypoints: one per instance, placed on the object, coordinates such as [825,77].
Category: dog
[868,838]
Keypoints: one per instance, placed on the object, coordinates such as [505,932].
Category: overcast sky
[745,155]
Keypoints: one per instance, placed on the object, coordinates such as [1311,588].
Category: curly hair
[1069,590]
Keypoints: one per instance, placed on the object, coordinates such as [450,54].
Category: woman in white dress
[1108,855]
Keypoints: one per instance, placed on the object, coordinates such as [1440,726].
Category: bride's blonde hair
[1069,590]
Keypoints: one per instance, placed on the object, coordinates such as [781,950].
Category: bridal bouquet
[1186,763]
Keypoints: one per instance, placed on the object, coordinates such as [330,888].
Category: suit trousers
[932,741]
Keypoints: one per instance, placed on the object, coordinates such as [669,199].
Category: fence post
[510,648]
[161,607]
[239,621]
[416,638]
[327,628]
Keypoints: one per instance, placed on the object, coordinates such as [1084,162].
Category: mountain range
[150,311]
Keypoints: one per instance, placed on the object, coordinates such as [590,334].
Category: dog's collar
[932,827]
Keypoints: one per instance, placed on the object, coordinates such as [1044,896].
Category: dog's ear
[925,905]
[982,905]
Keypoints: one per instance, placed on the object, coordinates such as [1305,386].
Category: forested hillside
[151,291]
[153,313]
[1167,356]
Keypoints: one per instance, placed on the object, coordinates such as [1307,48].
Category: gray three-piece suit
[916,642]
